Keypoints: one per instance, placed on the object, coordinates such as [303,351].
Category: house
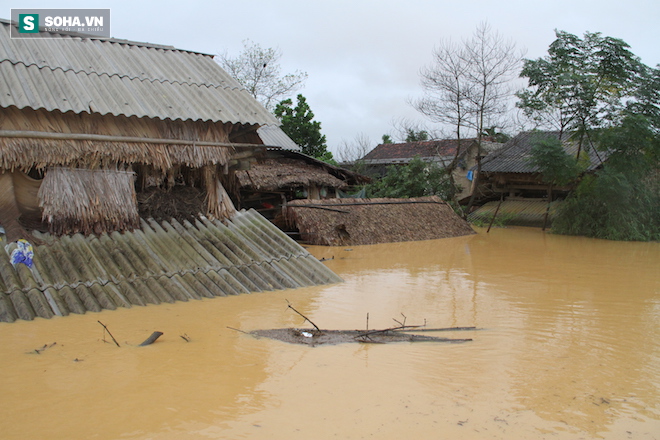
[283,175]
[508,175]
[441,152]
[112,148]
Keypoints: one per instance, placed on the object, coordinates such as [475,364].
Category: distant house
[441,152]
[508,174]
[280,176]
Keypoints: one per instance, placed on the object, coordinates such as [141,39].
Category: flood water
[567,347]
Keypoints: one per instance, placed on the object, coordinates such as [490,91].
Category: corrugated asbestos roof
[274,136]
[159,263]
[119,77]
[514,156]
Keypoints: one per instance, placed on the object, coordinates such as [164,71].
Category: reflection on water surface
[567,348]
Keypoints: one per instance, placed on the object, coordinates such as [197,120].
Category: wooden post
[494,215]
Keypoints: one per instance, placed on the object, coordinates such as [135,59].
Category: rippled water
[567,347]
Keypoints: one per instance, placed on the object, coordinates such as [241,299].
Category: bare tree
[467,85]
[448,92]
[494,63]
[352,152]
[258,70]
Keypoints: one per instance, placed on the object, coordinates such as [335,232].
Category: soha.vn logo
[28,23]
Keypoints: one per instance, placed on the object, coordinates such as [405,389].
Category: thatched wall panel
[88,201]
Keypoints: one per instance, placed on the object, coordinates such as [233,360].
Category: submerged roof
[342,222]
[164,262]
[69,72]
[514,156]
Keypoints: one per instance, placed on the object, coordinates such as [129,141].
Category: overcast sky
[363,56]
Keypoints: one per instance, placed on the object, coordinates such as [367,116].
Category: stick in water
[106,329]
[305,317]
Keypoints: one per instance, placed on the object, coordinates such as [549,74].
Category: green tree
[298,123]
[387,139]
[596,89]
[554,163]
[415,179]
[581,84]
[416,136]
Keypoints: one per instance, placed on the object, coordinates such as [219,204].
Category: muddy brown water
[568,348]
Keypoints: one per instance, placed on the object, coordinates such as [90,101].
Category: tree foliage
[258,70]
[554,163]
[298,123]
[581,84]
[599,91]
[415,179]
[416,136]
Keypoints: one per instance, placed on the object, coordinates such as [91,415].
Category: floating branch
[443,329]
[151,339]
[106,330]
[386,330]
[237,330]
[402,324]
[45,347]
[305,317]
[185,337]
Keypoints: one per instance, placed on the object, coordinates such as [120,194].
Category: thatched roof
[77,200]
[341,222]
[277,173]
[98,148]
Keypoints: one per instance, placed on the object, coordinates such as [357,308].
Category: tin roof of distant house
[84,74]
[514,156]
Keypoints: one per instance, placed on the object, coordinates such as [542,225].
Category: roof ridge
[81,35]
[216,85]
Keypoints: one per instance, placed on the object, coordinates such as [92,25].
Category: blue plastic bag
[22,254]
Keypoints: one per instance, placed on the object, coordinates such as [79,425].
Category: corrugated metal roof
[159,263]
[274,136]
[118,77]
[514,156]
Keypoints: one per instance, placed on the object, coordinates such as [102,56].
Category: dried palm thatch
[9,212]
[341,222]
[274,174]
[219,205]
[26,152]
[88,201]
